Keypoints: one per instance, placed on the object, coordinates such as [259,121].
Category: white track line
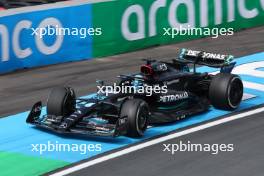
[155,141]
[251,85]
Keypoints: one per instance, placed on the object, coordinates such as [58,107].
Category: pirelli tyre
[137,113]
[226,91]
[61,101]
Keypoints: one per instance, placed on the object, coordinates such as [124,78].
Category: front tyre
[226,91]
[61,101]
[137,113]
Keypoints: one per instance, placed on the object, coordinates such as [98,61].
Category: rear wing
[208,59]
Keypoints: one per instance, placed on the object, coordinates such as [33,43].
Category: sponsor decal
[174,97]
[206,55]
[213,55]
[21,48]
[17,48]
[172,82]
[171,9]
[140,24]
[102,128]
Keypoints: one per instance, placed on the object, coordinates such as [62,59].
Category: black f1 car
[129,113]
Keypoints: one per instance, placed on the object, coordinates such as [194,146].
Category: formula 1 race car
[176,93]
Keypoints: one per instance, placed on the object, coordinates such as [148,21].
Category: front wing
[81,127]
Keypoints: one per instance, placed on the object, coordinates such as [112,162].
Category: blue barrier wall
[21,48]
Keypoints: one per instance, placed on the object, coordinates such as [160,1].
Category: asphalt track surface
[19,90]
[245,134]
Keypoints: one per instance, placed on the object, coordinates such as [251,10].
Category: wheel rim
[142,119]
[235,92]
[69,103]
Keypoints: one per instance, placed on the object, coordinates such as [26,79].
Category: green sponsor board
[136,24]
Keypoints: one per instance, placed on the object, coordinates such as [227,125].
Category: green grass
[18,164]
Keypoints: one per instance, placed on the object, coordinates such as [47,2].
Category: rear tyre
[226,91]
[137,113]
[61,101]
